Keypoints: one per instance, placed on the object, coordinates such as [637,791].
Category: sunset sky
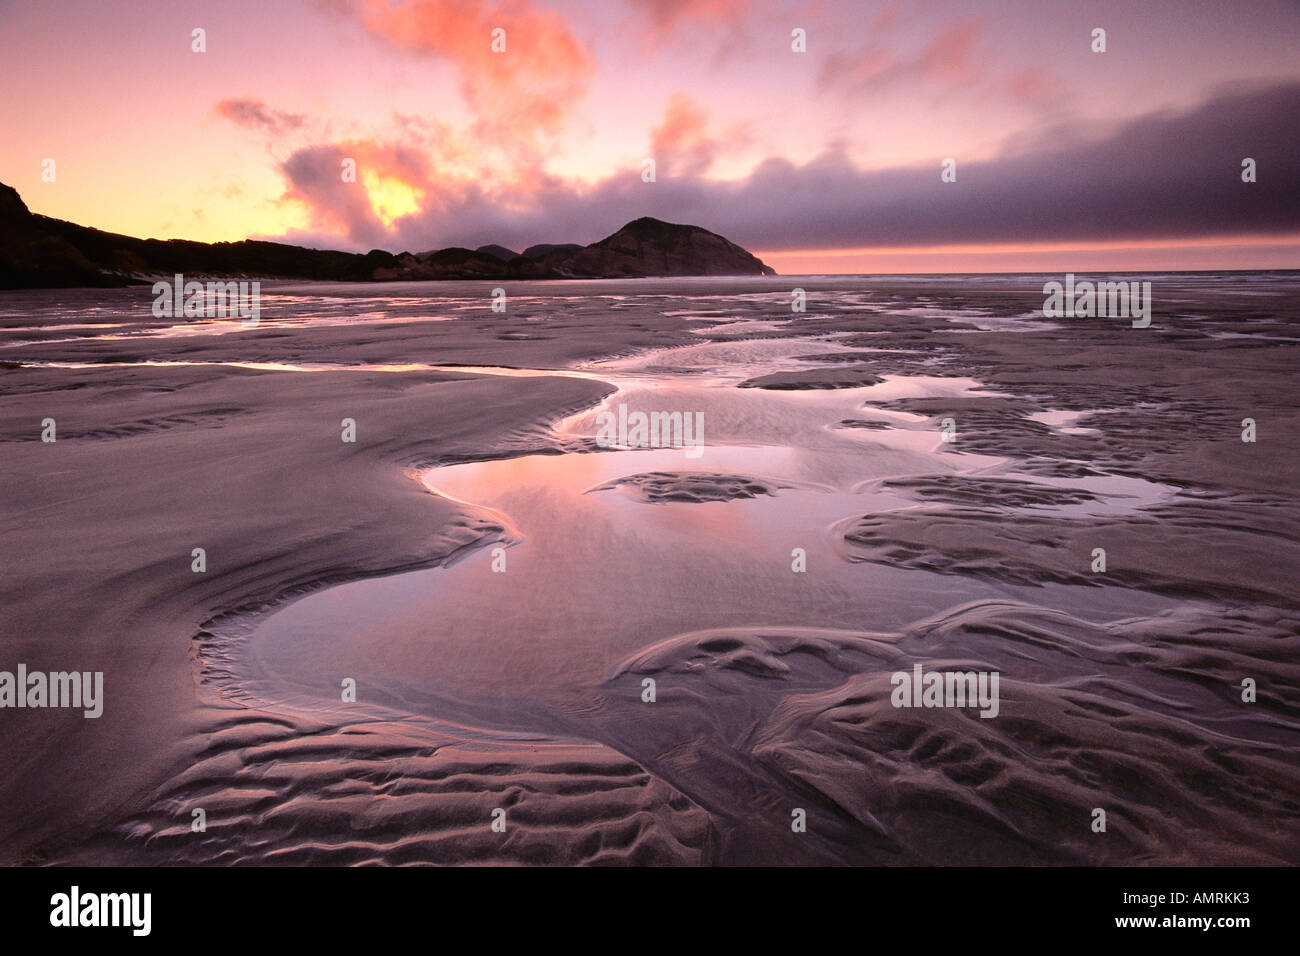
[824,161]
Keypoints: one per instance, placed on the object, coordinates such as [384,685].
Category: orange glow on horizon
[1227,252]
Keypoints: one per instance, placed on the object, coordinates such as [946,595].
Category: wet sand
[500,586]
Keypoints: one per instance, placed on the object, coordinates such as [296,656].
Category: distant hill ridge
[39,252]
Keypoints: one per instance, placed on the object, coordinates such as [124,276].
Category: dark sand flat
[523,691]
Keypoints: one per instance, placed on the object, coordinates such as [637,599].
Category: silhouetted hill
[39,252]
[546,248]
[651,247]
[34,257]
[501,252]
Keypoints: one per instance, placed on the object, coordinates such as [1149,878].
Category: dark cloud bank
[1161,176]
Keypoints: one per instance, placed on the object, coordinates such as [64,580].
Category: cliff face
[37,251]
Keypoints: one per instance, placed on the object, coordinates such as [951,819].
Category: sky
[826,160]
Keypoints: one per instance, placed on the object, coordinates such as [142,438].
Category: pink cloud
[522,93]
[252,113]
[946,60]
[680,143]
[666,14]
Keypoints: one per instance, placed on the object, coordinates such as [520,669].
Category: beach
[498,585]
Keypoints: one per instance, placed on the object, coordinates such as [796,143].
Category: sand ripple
[695,487]
[1143,719]
[295,791]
